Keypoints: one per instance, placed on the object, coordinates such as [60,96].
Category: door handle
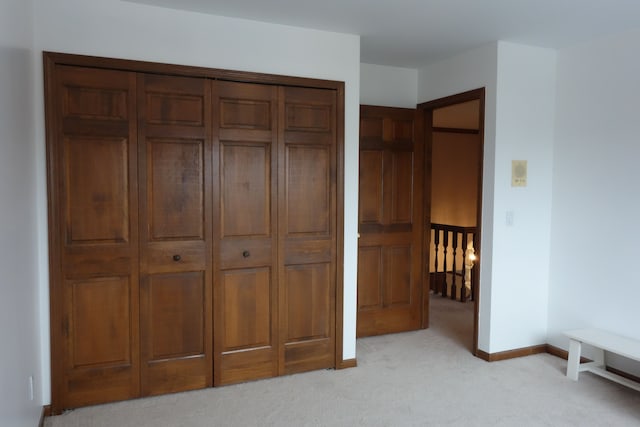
[246,254]
[177,258]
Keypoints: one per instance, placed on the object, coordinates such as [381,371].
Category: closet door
[174,131]
[94,237]
[245,295]
[307,228]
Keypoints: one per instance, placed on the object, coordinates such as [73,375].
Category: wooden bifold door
[193,228]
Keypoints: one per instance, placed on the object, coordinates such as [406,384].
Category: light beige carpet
[423,378]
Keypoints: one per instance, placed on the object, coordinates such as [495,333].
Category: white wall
[467,71]
[519,111]
[525,115]
[388,86]
[119,29]
[19,317]
[596,203]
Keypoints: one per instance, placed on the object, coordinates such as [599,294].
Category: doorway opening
[454,146]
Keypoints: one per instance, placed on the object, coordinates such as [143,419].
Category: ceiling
[413,33]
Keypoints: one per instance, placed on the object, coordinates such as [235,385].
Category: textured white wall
[388,86]
[19,310]
[132,31]
[596,204]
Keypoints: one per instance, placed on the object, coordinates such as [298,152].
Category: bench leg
[598,358]
[573,364]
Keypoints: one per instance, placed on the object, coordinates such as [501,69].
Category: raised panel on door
[307,224]
[93,231]
[247,337]
[397,266]
[174,132]
[402,171]
[97,188]
[390,209]
[370,283]
[174,325]
[99,339]
[371,187]
[245,120]
[309,297]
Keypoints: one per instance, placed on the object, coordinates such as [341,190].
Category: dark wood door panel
[93,94]
[370,273]
[308,251]
[307,203]
[309,323]
[175,167]
[175,256]
[308,286]
[249,348]
[99,335]
[246,182]
[245,252]
[390,225]
[371,187]
[173,332]
[101,340]
[397,266]
[390,321]
[175,189]
[96,172]
[401,187]
[387,124]
[94,235]
[176,315]
[245,300]
[308,190]
[247,317]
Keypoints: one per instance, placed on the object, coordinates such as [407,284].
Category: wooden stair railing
[446,241]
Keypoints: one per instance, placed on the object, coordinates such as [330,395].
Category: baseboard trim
[564,354]
[512,354]
[46,412]
[483,355]
[348,363]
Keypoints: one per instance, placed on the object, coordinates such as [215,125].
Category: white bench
[602,341]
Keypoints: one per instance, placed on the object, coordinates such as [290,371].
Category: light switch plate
[518,173]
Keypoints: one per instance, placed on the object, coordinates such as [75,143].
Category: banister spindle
[436,242]
[454,234]
[445,245]
[463,287]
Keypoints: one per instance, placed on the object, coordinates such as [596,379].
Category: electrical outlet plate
[518,173]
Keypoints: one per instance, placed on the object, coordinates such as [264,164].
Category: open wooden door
[390,221]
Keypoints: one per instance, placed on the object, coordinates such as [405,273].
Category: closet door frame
[53,59]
